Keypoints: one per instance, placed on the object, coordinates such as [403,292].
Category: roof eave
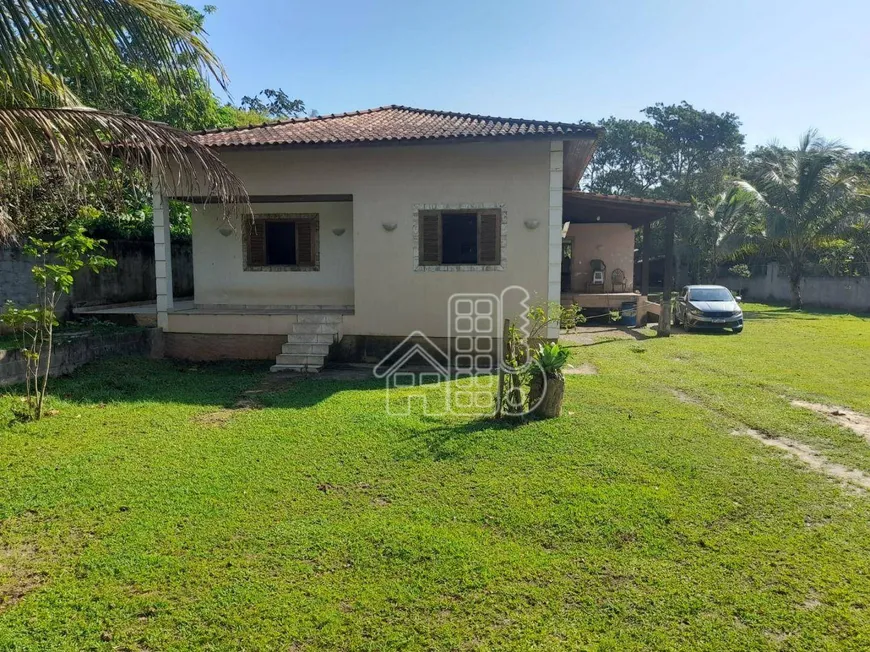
[591,208]
[590,136]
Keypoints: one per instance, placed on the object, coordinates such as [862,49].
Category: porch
[598,250]
[292,336]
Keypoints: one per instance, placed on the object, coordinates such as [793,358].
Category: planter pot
[549,399]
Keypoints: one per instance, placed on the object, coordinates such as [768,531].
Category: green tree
[128,87]
[807,194]
[55,53]
[626,161]
[722,223]
[678,152]
[192,105]
[858,233]
[697,150]
[34,325]
[273,105]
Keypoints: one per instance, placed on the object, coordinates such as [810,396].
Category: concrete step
[300,359]
[305,348]
[311,338]
[308,327]
[294,367]
[319,318]
[308,342]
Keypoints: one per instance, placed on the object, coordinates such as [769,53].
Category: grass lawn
[162,507]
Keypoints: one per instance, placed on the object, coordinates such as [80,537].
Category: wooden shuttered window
[489,238]
[305,243]
[431,236]
[283,242]
[256,244]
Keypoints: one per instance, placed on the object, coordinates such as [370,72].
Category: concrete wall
[389,296]
[218,262]
[72,352]
[16,280]
[133,277]
[131,280]
[837,292]
[611,243]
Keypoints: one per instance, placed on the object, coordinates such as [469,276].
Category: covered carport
[582,212]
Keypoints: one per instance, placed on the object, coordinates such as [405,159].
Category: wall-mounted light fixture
[338,231]
[389,226]
[531,225]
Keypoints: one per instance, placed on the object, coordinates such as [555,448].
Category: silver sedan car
[708,306]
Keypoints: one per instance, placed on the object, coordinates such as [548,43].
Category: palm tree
[723,220]
[805,195]
[47,46]
[859,234]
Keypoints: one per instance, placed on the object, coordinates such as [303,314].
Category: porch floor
[599,299]
[614,301]
[188,307]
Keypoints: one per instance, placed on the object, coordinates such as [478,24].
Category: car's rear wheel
[676,318]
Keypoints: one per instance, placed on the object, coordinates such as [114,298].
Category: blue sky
[781,66]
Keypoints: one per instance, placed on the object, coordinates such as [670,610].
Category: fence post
[499,406]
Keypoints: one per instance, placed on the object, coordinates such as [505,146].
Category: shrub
[740,270]
[33,325]
[551,358]
[570,317]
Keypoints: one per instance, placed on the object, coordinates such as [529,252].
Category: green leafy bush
[740,270]
[570,316]
[551,357]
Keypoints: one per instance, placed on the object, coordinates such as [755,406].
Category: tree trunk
[715,273]
[40,400]
[551,397]
[796,299]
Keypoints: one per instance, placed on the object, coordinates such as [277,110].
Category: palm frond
[58,36]
[46,85]
[74,143]
[751,191]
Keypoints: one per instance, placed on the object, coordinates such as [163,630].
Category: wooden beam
[644,270]
[665,317]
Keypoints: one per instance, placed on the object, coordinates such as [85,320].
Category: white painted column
[554,267]
[162,254]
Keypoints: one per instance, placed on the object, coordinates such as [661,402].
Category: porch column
[644,269]
[162,254]
[665,316]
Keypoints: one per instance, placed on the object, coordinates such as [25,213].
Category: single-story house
[366,223]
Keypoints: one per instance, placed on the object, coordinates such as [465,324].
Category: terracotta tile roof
[641,201]
[391,124]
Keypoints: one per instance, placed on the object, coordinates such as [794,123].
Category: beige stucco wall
[218,261]
[389,297]
[612,243]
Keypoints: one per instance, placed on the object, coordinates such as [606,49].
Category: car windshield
[710,294]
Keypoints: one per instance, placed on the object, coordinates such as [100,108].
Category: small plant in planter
[516,394]
[548,384]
